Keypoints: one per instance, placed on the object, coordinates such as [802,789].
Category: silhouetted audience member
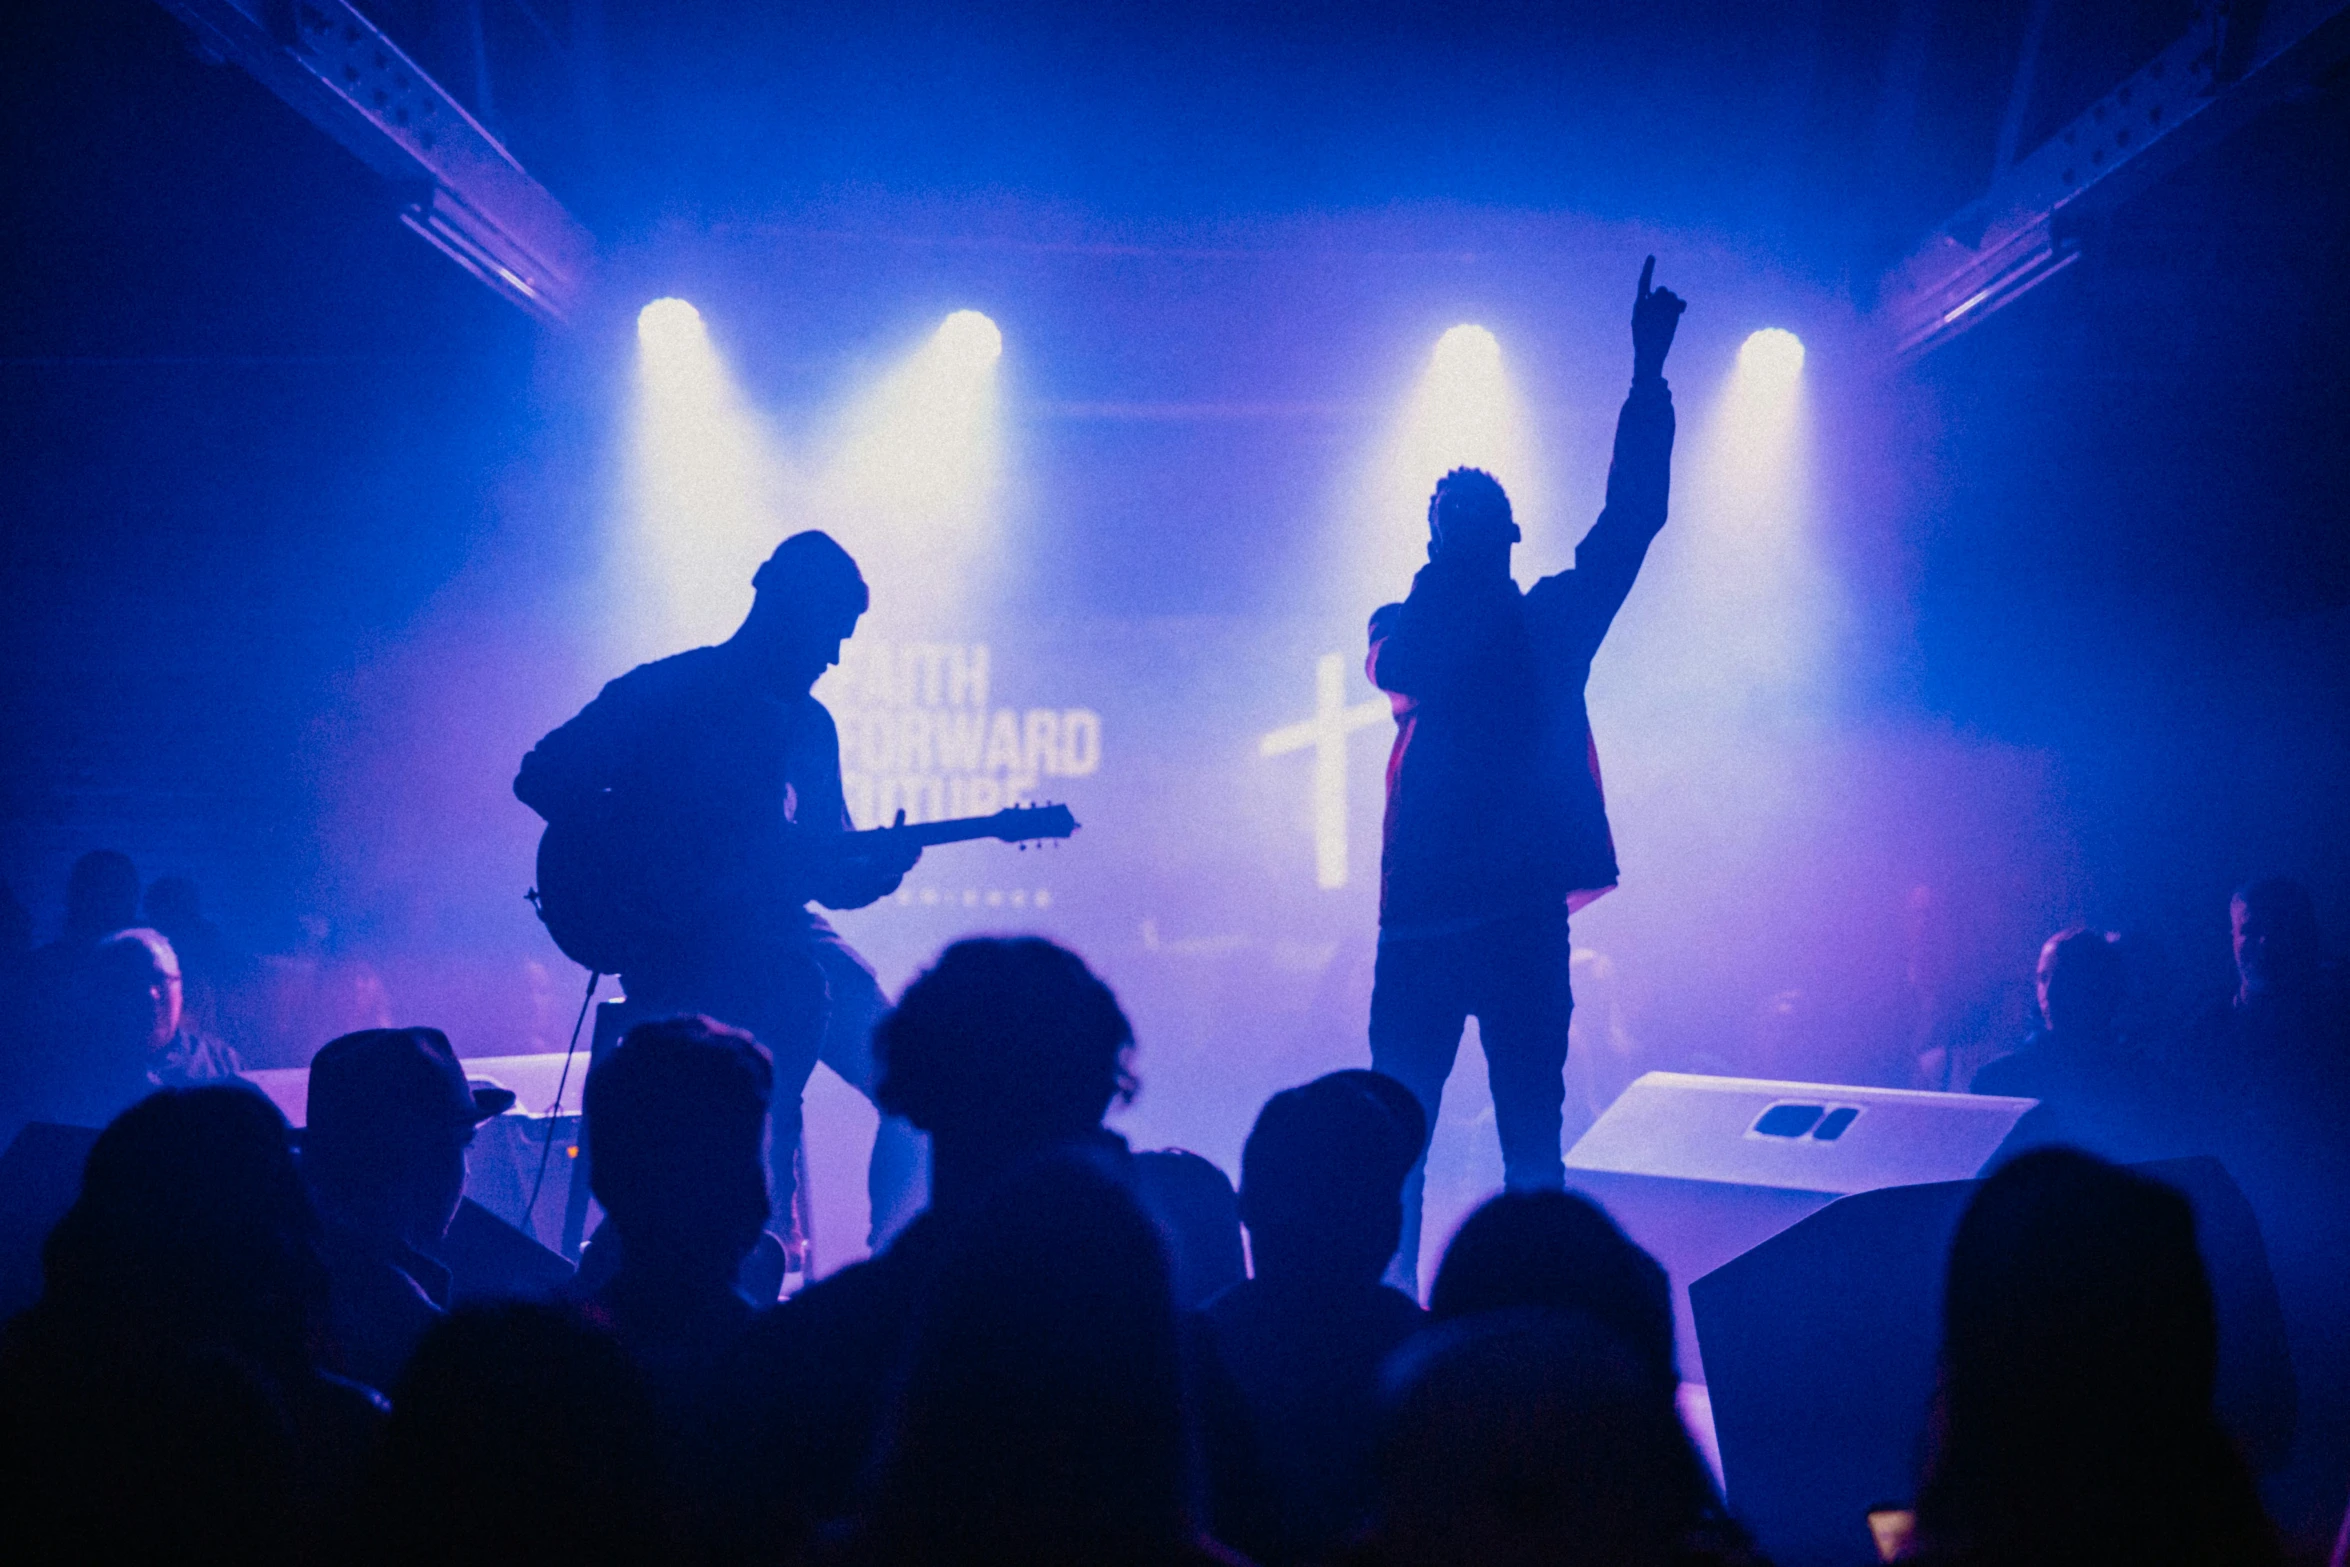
[1560,1251]
[2074,1420]
[2264,1080]
[1004,1050]
[1042,1419]
[519,1436]
[1200,1218]
[161,1401]
[1301,1342]
[677,1123]
[2278,1048]
[101,897]
[1536,1439]
[390,1116]
[175,906]
[2096,1089]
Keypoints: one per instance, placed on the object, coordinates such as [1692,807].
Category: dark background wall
[254,434]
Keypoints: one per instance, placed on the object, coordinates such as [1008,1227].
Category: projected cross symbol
[1326,733]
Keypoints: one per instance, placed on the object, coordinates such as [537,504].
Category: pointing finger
[1647,271]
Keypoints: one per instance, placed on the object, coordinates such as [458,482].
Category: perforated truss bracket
[2234,62]
[464,191]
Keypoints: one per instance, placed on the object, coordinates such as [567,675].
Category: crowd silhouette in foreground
[246,1353]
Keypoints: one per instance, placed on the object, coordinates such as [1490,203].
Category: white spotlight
[911,487]
[968,334]
[669,323]
[1773,356]
[702,473]
[922,444]
[1753,607]
[1468,350]
[1762,410]
[1463,412]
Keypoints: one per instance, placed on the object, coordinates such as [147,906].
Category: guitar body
[611,900]
[593,900]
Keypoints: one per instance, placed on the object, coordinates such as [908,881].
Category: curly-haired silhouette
[1005,1050]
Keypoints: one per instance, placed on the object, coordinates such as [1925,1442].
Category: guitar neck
[930,835]
[1016,825]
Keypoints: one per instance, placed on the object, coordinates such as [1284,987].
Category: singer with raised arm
[1495,828]
[707,786]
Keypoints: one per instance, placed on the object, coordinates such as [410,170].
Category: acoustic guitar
[606,908]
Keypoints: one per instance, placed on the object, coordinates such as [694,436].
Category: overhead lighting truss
[465,192]
[2236,60]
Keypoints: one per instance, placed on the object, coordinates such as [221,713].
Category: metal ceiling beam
[464,191]
[2237,60]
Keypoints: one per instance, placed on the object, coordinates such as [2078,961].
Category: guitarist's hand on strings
[873,868]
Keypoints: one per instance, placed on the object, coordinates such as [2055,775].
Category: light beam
[1463,412]
[703,474]
[1762,415]
[912,487]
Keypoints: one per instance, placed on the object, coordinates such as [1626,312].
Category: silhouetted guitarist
[1495,825]
[718,773]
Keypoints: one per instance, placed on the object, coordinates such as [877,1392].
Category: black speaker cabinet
[1820,1348]
[1700,1170]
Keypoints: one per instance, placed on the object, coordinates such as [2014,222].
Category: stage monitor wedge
[1700,1170]
[1800,1137]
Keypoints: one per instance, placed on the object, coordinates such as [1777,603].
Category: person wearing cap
[718,772]
[390,1116]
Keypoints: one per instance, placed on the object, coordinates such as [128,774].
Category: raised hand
[1656,314]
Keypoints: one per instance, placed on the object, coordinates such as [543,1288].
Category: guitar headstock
[1029,823]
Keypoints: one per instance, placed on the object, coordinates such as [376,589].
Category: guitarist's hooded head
[810,595]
